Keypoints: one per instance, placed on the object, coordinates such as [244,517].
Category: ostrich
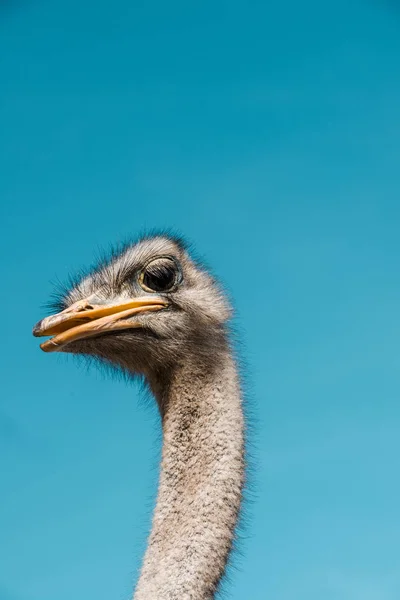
[151,310]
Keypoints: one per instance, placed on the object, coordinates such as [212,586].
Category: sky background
[267,133]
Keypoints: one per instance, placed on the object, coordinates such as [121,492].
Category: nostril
[80,306]
[85,307]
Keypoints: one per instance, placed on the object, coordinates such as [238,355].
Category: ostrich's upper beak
[83,320]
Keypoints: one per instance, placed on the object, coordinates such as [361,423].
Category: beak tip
[36,330]
[45,348]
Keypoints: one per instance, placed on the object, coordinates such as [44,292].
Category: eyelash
[177,272]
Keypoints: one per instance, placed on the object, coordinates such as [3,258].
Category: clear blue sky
[268,133]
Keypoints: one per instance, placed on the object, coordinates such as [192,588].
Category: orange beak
[82,320]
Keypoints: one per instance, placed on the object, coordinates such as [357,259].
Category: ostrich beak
[82,320]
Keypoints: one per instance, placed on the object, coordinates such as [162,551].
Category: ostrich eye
[161,275]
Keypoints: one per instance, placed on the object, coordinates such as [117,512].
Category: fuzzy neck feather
[201,481]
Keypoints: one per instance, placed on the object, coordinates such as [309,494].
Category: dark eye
[161,275]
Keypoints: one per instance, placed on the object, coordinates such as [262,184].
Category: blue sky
[269,135]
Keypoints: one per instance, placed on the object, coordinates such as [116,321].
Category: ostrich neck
[200,486]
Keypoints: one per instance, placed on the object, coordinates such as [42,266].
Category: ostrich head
[152,311]
[143,310]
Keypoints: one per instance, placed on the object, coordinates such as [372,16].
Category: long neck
[201,480]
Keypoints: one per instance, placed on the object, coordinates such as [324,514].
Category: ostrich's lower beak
[83,320]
